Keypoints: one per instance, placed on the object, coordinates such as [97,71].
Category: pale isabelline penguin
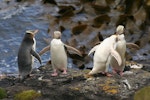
[121,46]
[103,54]
[58,53]
[26,53]
[121,49]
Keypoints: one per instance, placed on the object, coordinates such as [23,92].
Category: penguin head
[30,33]
[57,34]
[119,29]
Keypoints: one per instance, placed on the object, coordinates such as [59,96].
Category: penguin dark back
[27,53]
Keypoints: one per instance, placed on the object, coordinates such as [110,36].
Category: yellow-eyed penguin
[26,53]
[58,53]
[103,54]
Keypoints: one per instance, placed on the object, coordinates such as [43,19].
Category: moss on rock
[3,93]
[143,94]
[27,95]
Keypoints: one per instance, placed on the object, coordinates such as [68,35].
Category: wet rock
[146,67]
[99,20]
[85,1]
[79,29]
[49,1]
[18,0]
[66,11]
[100,9]
[123,19]
[140,16]
[98,2]
[76,86]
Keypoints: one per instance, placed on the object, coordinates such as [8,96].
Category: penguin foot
[118,72]
[54,74]
[65,71]
[108,74]
[121,73]
[114,71]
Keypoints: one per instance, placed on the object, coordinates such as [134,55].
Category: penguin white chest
[103,51]
[121,49]
[34,45]
[34,48]
[58,54]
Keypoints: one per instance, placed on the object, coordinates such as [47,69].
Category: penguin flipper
[36,55]
[47,48]
[116,55]
[73,49]
[93,49]
[47,40]
[132,45]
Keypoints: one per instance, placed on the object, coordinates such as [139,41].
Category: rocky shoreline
[76,85]
[92,18]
